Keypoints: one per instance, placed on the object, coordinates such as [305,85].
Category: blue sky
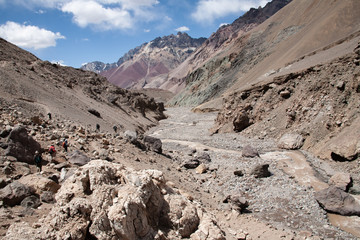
[73,32]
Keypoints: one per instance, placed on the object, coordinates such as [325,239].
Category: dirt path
[282,206]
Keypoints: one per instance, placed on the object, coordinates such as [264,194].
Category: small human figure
[115,128]
[49,114]
[52,151]
[38,161]
[65,145]
[98,127]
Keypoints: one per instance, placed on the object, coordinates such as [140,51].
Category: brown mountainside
[299,29]
[40,87]
[217,42]
[297,72]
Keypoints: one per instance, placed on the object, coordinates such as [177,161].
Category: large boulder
[21,145]
[241,121]
[78,158]
[40,183]
[291,141]
[335,200]
[153,144]
[14,193]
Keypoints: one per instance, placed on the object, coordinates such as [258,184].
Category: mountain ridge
[136,68]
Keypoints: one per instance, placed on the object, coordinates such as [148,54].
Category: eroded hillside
[73,94]
[298,29]
[322,103]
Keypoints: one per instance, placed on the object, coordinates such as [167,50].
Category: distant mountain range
[140,65]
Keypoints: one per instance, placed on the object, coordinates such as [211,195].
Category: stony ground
[282,205]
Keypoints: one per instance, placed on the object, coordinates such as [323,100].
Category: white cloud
[135,4]
[99,14]
[147,30]
[182,29]
[209,10]
[92,13]
[29,36]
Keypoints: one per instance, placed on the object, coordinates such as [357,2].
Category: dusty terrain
[281,206]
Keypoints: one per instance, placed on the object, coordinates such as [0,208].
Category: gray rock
[130,135]
[61,166]
[249,151]
[2,183]
[47,197]
[191,164]
[261,171]
[285,94]
[203,157]
[335,200]
[153,144]
[21,145]
[238,203]
[238,173]
[14,193]
[78,158]
[30,202]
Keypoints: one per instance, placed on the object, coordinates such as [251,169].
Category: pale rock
[291,141]
[202,168]
[40,183]
[341,180]
[110,201]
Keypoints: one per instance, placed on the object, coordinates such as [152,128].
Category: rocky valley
[261,141]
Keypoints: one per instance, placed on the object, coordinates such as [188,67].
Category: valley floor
[281,206]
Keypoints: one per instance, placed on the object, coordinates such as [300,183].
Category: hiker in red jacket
[52,151]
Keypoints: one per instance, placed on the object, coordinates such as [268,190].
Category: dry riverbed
[281,206]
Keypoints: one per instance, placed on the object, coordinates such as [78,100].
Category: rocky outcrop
[21,145]
[104,200]
[317,115]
